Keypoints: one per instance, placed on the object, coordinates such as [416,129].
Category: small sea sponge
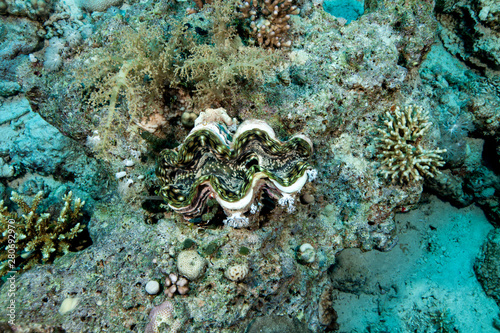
[237,273]
[191,264]
[152,287]
[306,253]
[68,305]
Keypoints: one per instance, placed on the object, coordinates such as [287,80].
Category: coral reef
[8,88]
[347,10]
[470,31]
[30,145]
[31,238]
[114,76]
[119,79]
[233,167]
[193,66]
[465,104]
[34,9]
[19,36]
[269,21]
[223,67]
[402,155]
[273,323]
[126,249]
[487,265]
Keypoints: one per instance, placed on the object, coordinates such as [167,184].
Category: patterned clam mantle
[234,168]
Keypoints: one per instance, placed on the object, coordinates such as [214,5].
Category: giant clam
[233,166]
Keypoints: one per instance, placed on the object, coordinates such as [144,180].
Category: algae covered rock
[276,324]
[487,265]
[470,31]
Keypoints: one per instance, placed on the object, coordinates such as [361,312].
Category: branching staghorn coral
[234,168]
[269,21]
[401,152]
[30,238]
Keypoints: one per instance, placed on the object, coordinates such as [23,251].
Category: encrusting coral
[401,152]
[191,264]
[30,238]
[233,167]
[162,319]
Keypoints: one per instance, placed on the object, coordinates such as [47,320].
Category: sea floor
[425,284]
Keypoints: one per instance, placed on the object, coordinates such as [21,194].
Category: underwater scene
[249,166]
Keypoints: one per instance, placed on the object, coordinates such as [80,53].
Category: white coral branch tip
[254,208]
[312,174]
[287,201]
[236,221]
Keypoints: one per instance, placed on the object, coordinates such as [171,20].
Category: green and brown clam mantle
[234,166]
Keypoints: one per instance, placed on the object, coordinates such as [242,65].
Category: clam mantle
[233,165]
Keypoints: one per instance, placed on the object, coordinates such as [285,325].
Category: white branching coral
[401,152]
[237,221]
[312,175]
[288,202]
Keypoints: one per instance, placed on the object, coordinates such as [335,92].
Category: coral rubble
[233,168]
[402,155]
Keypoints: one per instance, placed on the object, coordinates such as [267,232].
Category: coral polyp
[232,167]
